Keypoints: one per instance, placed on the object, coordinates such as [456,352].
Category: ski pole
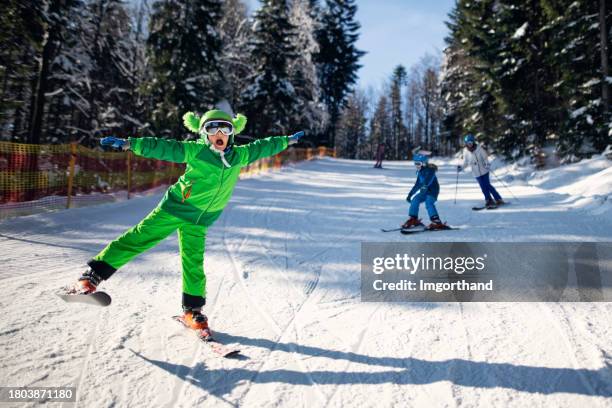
[456,185]
[504,184]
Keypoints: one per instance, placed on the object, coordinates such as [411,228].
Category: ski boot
[499,202]
[194,319]
[436,224]
[490,204]
[412,222]
[87,283]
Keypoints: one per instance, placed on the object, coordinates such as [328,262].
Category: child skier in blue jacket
[425,189]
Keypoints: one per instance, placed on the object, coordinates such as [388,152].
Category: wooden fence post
[73,152]
[129,173]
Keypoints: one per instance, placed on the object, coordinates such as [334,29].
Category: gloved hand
[115,143]
[423,190]
[459,168]
[408,198]
[294,138]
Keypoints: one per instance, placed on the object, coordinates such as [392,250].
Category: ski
[414,231]
[391,229]
[96,298]
[490,208]
[214,345]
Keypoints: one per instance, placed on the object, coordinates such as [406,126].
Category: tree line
[524,75]
[76,70]
[404,115]
[520,75]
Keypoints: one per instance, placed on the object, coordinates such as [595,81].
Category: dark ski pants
[487,188]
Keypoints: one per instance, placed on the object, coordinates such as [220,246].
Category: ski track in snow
[283,280]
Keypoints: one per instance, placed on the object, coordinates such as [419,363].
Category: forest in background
[82,69]
[520,75]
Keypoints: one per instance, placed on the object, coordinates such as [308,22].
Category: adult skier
[191,205]
[475,156]
[425,190]
[380,155]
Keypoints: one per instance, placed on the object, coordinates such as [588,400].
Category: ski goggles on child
[212,127]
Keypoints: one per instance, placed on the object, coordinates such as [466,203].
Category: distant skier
[380,155]
[191,205]
[425,189]
[475,156]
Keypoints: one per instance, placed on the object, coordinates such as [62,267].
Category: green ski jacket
[202,192]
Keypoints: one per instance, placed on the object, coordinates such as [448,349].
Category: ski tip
[232,353]
[97,298]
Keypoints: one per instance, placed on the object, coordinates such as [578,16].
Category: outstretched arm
[267,147]
[263,148]
[161,149]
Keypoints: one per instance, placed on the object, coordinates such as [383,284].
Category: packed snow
[283,268]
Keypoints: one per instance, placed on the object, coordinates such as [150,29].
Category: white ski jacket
[477,160]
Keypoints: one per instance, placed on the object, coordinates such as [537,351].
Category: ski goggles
[212,127]
[418,164]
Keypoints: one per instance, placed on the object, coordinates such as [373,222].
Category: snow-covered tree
[311,113]
[235,29]
[55,18]
[576,53]
[338,56]
[184,49]
[270,100]
[351,138]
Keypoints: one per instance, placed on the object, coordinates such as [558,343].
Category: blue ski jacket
[426,181]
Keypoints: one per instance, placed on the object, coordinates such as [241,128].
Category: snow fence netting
[38,178]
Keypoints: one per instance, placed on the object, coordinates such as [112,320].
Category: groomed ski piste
[283,271]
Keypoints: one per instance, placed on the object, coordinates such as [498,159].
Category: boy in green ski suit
[191,205]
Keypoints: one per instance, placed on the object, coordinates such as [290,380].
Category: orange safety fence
[37,178]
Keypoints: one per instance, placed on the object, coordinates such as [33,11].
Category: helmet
[196,123]
[469,138]
[420,158]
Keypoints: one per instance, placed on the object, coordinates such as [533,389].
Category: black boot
[87,283]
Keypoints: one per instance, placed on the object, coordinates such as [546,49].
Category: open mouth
[219,142]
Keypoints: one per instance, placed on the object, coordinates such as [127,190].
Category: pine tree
[351,137]
[574,30]
[184,49]
[21,36]
[338,57]
[70,100]
[235,29]
[380,124]
[476,34]
[270,100]
[110,57]
[398,130]
[311,114]
[54,23]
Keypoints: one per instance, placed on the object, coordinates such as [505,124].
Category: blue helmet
[469,138]
[420,158]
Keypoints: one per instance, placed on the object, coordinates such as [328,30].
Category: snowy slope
[586,185]
[283,281]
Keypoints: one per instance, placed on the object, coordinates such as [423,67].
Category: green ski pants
[149,232]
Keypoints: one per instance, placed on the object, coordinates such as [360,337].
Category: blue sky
[396,32]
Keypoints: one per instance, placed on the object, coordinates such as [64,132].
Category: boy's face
[219,140]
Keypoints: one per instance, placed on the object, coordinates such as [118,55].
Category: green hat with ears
[195,123]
